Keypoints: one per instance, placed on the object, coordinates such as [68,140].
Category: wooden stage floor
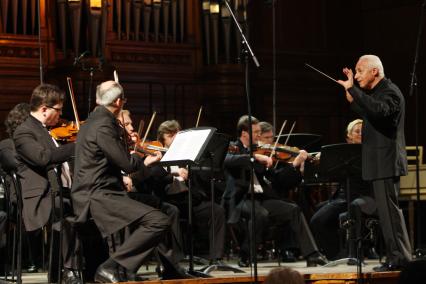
[318,275]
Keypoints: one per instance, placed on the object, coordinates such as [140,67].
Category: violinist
[37,152]
[325,222]
[139,187]
[284,177]
[173,189]
[269,210]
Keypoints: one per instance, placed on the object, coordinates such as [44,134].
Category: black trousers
[277,212]
[398,247]
[145,235]
[325,222]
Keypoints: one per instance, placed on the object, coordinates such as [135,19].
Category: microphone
[77,59]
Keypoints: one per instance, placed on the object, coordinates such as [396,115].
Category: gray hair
[107,92]
[373,61]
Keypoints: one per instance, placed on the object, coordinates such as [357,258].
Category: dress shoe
[243,262]
[288,256]
[315,259]
[70,276]
[176,273]
[107,275]
[32,268]
[387,267]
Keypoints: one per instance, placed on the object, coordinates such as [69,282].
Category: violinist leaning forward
[269,208]
[140,185]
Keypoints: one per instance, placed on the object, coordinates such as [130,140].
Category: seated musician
[172,188]
[37,152]
[99,192]
[325,222]
[286,177]
[139,187]
[269,210]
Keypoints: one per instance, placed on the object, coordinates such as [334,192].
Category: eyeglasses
[55,108]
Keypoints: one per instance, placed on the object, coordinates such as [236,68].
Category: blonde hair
[351,125]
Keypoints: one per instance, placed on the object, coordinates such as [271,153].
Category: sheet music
[186,145]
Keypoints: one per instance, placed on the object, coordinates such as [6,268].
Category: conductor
[382,106]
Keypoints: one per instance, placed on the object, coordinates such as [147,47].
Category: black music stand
[187,149]
[341,162]
[209,169]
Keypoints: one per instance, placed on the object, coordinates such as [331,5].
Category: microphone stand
[246,51]
[414,91]
[92,69]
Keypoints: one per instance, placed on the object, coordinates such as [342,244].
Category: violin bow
[140,128]
[116,76]
[286,140]
[289,134]
[74,106]
[278,138]
[149,127]
[199,115]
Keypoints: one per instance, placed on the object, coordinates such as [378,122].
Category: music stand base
[347,260]
[198,274]
[220,267]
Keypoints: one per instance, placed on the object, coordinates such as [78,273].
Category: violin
[281,152]
[149,148]
[67,131]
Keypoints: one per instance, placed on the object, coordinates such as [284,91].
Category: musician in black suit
[99,192]
[269,210]
[37,152]
[170,185]
[381,105]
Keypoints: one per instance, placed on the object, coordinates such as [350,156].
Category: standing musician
[269,210]
[37,152]
[99,192]
[325,222]
[381,105]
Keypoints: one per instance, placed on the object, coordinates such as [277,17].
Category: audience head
[284,275]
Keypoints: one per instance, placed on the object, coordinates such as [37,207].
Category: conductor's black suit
[384,160]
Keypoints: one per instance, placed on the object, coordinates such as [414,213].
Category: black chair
[14,229]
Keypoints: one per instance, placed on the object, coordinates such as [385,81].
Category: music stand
[341,162]
[187,149]
[209,168]
[305,141]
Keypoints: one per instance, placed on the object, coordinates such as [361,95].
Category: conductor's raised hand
[348,83]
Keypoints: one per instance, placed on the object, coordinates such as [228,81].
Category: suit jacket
[383,141]
[36,153]
[98,190]
[237,173]
[8,163]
